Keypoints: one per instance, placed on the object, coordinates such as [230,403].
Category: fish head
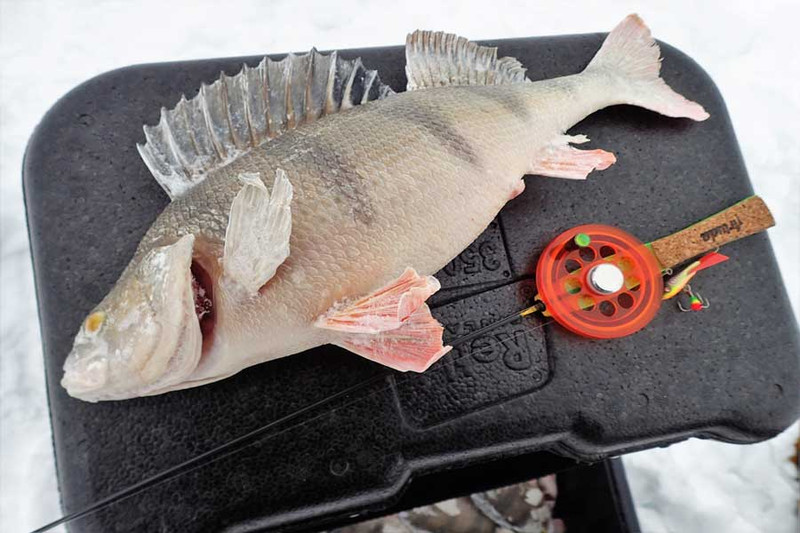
[144,336]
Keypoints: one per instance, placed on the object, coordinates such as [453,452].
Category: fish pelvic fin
[384,309]
[258,232]
[237,113]
[392,326]
[630,55]
[414,346]
[438,59]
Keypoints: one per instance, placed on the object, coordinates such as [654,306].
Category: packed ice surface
[49,47]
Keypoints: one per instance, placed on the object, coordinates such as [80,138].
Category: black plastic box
[535,405]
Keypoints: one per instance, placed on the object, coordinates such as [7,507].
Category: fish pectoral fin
[561,160]
[414,346]
[436,59]
[385,309]
[259,227]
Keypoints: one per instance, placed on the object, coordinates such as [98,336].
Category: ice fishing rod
[595,280]
[601,282]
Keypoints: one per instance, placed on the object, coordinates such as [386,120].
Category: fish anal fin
[561,160]
[384,309]
[258,232]
[414,346]
[438,59]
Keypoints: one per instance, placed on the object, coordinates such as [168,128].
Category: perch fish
[310,204]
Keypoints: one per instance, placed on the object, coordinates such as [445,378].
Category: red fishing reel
[599,281]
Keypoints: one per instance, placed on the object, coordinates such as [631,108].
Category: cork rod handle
[749,216]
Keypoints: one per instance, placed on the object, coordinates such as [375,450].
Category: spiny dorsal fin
[436,59]
[237,113]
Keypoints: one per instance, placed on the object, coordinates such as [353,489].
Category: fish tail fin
[630,55]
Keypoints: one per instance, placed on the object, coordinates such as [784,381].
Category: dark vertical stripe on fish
[428,118]
[347,183]
[508,99]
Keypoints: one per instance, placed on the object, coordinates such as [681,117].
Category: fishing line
[258,435]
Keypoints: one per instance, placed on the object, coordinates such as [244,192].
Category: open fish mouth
[85,378]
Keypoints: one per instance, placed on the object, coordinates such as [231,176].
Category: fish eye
[95,321]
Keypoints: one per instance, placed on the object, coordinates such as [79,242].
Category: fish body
[407,181]
[380,197]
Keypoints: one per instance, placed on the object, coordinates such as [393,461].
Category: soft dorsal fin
[436,59]
[237,113]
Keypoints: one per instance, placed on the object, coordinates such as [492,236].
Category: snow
[48,47]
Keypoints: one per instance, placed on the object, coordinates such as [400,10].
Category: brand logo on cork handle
[734,224]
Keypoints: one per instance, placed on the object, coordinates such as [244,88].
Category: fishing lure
[680,281]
